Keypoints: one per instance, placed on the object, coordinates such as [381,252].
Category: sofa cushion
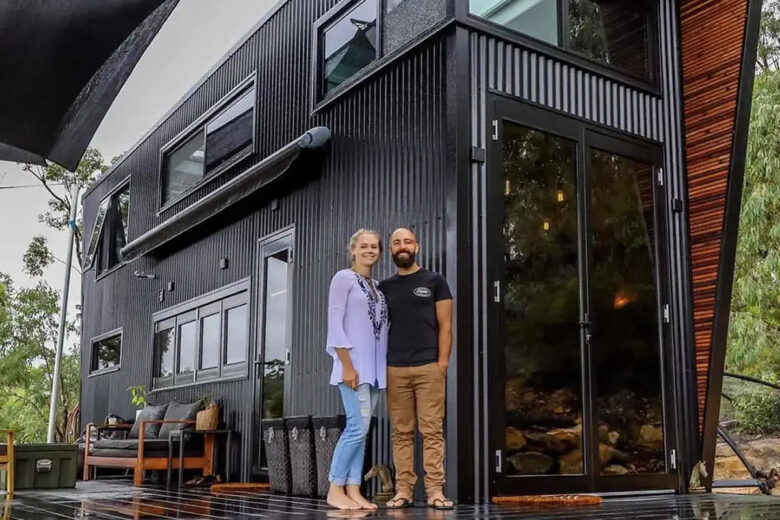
[128,448]
[149,413]
[179,412]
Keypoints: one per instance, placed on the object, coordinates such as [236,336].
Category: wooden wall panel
[713,34]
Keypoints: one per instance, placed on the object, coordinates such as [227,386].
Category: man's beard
[405,262]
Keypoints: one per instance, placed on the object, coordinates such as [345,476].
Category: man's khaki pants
[415,397]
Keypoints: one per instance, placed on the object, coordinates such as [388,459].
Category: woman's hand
[350,376]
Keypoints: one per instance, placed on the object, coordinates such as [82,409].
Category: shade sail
[63,62]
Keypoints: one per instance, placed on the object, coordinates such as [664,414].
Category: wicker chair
[7,460]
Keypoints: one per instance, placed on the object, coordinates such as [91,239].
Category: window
[202,340]
[106,353]
[618,33]
[109,235]
[276,328]
[348,44]
[223,139]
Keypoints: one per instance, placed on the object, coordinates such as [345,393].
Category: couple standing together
[394,335]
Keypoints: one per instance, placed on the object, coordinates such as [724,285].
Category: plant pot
[207,419]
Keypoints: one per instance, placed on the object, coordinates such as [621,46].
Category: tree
[754,334]
[58,182]
[28,334]
[768,57]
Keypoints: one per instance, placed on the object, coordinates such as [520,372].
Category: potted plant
[208,418]
[138,398]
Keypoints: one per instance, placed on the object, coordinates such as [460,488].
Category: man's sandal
[442,504]
[404,503]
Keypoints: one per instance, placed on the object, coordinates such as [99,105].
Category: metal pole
[55,387]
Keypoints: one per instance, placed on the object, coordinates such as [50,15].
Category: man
[418,353]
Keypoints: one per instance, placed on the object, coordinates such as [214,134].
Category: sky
[195,37]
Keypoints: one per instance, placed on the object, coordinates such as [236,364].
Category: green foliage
[37,257]
[137,395]
[754,334]
[58,182]
[28,332]
[757,411]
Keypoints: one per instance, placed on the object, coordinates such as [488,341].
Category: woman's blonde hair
[354,238]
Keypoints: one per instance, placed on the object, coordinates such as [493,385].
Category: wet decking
[118,501]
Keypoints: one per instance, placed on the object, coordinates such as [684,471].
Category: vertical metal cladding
[386,169]
[508,68]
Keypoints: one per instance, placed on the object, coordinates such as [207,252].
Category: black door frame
[281,240]
[587,136]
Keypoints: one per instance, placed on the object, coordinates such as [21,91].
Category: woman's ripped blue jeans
[347,465]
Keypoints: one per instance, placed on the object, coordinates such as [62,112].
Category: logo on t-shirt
[422,292]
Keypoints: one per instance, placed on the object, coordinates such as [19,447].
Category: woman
[357,341]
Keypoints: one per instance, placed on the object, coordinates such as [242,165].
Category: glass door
[274,354]
[575,336]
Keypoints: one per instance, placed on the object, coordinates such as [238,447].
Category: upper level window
[109,235]
[615,32]
[348,44]
[222,139]
[204,339]
[106,353]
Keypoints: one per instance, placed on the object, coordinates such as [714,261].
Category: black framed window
[204,339]
[348,42]
[106,353]
[109,234]
[621,34]
[210,146]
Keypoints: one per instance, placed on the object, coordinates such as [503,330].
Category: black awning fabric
[62,63]
[309,146]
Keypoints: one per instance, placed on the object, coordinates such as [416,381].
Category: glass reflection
[541,305]
[163,347]
[275,334]
[625,314]
[349,44]
[210,332]
[188,340]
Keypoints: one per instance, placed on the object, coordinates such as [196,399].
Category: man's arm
[444,317]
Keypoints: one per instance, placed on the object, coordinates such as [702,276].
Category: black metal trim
[730,235]
[255,178]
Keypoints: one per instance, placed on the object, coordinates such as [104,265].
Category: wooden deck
[118,501]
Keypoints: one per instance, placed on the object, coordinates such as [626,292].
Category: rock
[515,441]
[530,463]
[612,438]
[559,440]
[614,469]
[562,401]
[651,437]
[608,453]
[571,463]
[608,437]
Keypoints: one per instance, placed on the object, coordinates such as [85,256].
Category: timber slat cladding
[713,34]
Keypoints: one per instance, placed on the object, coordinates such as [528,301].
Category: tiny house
[572,167]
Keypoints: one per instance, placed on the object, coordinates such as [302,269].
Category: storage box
[277,454]
[327,431]
[44,466]
[303,465]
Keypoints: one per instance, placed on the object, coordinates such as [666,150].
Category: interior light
[546,225]
[561,196]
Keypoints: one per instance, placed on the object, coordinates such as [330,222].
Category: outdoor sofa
[146,445]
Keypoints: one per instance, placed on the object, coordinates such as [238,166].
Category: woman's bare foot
[353,492]
[338,499]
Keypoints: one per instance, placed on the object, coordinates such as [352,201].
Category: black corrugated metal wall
[386,169]
[508,67]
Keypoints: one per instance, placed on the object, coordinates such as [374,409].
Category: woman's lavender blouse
[357,320]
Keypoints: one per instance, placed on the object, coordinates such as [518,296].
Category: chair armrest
[7,431]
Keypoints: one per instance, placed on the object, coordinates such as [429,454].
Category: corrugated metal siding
[712,44]
[508,68]
[386,169]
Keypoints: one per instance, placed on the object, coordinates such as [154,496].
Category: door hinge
[497,291]
[498,461]
[673,459]
[495,129]
[287,356]
[667,316]
[659,172]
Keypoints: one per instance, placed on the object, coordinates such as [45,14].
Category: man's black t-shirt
[414,329]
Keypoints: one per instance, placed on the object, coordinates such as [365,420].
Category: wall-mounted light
[546,225]
[560,196]
[148,276]
[507,188]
